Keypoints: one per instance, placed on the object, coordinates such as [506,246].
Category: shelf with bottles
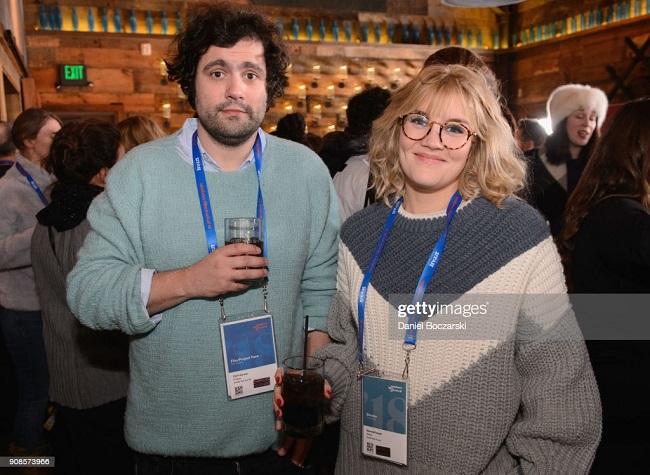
[420,31]
[606,13]
[352,29]
[108,20]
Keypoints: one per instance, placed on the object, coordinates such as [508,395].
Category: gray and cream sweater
[516,395]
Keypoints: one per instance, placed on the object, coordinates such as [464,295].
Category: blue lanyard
[427,274]
[6,162]
[204,196]
[33,184]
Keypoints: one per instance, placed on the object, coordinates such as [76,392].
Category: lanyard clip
[363,371]
[407,359]
[265,293]
[223,309]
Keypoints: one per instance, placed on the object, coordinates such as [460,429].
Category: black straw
[304,352]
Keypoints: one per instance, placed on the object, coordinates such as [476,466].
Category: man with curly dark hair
[155,265]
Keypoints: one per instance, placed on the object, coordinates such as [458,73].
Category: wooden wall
[596,57]
[126,82]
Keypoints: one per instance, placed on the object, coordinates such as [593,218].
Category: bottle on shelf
[91,20]
[42,16]
[149,22]
[58,18]
[104,19]
[309,28]
[164,23]
[335,30]
[133,23]
[75,19]
[179,22]
[321,30]
[51,20]
[117,21]
[406,33]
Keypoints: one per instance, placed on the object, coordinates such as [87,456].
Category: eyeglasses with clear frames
[453,135]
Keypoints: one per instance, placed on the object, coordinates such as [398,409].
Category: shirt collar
[183,144]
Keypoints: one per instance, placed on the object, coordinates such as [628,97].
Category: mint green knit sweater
[149,217]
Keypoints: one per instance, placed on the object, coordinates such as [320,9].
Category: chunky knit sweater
[521,398]
[87,368]
[150,217]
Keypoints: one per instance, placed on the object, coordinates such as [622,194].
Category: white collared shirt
[183,146]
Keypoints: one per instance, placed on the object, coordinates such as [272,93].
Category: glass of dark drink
[248,231]
[303,383]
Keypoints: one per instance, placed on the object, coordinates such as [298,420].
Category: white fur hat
[567,99]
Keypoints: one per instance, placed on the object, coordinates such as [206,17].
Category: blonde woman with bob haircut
[455,348]
[493,168]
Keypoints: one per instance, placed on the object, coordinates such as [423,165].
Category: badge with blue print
[249,355]
[384,420]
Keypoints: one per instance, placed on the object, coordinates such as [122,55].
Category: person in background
[605,246]
[352,180]
[531,136]
[154,264]
[353,141]
[23,193]
[513,392]
[88,369]
[138,129]
[577,112]
[292,127]
[7,148]
[465,57]
[314,141]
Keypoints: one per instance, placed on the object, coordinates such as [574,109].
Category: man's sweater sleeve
[103,289]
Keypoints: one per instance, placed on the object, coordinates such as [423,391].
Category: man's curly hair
[224,25]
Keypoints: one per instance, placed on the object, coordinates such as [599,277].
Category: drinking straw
[304,352]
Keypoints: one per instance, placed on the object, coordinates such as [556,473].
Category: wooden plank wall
[534,70]
[127,81]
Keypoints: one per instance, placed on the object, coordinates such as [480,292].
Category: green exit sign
[72,75]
